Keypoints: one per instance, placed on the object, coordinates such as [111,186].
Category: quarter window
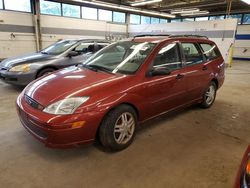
[168,57]
[210,51]
[192,54]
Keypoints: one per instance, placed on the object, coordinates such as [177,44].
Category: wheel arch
[112,108]
[216,82]
[46,67]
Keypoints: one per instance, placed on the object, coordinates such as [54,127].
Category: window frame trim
[216,49]
[151,66]
[198,49]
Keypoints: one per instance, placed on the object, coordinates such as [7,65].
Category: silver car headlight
[21,68]
[65,106]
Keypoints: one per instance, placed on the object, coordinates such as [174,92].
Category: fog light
[78,124]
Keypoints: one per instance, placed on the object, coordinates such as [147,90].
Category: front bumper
[22,79]
[56,130]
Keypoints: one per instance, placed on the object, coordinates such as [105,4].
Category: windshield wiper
[98,67]
[88,67]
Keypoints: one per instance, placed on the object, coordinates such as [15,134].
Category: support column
[37,23]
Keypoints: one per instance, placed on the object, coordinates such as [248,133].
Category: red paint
[242,168]
[151,96]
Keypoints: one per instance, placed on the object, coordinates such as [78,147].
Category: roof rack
[197,36]
[170,36]
[151,35]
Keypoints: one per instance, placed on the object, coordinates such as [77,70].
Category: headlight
[65,106]
[20,68]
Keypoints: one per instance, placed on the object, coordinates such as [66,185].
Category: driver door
[166,92]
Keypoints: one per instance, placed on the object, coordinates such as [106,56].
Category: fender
[136,101]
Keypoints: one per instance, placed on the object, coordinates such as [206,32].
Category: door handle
[179,76]
[204,67]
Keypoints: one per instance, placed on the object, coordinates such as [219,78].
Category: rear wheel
[118,128]
[209,96]
[44,72]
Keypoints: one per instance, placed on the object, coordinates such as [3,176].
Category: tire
[209,96]
[118,128]
[44,72]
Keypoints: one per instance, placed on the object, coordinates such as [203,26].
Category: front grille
[33,102]
[31,125]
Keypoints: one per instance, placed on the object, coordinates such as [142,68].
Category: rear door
[165,92]
[197,71]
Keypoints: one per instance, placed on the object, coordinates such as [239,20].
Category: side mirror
[159,72]
[72,54]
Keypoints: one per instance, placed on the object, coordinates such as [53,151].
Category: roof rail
[197,36]
[170,36]
[151,35]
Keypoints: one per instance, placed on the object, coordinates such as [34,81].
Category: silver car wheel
[124,128]
[210,94]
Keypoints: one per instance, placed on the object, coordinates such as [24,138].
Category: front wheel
[209,96]
[44,72]
[118,128]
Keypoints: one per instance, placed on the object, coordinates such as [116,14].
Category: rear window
[210,50]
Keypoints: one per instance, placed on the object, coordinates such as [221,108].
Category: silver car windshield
[59,47]
[121,57]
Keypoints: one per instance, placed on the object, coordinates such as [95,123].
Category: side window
[210,51]
[168,57]
[100,46]
[192,54]
[84,48]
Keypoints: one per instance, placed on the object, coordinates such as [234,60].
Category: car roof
[162,38]
[88,40]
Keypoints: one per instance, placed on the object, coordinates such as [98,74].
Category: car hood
[29,58]
[70,82]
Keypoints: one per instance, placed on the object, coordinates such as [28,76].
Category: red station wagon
[122,85]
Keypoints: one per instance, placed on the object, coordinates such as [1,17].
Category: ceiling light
[182,11]
[246,1]
[195,13]
[141,3]
[126,8]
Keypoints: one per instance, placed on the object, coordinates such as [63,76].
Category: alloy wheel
[124,128]
[210,94]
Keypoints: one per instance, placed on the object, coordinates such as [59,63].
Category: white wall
[23,40]
[220,31]
[53,29]
[56,27]
[242,46]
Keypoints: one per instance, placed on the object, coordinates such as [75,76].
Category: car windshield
[59,47]
[121,57]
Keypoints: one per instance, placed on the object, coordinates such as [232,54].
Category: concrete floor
[192,148]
